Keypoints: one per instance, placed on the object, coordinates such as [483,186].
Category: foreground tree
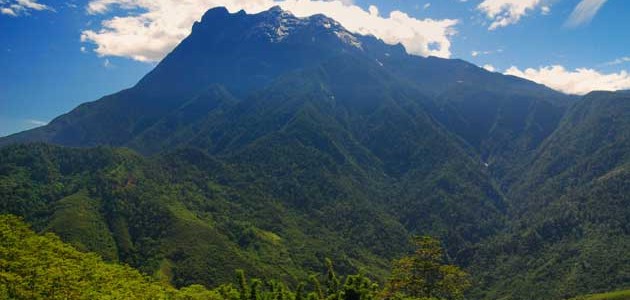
[424,275]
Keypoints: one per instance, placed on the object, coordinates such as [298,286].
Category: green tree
[242,284]
[332,281]
[318,292]
[359,287]
[298,292]
[424,275]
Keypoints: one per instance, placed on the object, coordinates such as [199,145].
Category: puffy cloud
[579,82]
[150,34]
[489,67]
[507,12]
[584,12]
[16,8]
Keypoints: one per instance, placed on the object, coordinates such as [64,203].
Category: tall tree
[424,275]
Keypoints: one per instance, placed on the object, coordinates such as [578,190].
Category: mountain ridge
[150,86]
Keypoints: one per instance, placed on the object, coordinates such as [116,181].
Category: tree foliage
[43,267]
[424,275]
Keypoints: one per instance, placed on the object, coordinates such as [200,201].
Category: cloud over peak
[150,34]
[578,82]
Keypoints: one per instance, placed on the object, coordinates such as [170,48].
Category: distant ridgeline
[270,151]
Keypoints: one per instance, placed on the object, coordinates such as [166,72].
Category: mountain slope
[308,160]
[571,215]
[70,274]
[592,139]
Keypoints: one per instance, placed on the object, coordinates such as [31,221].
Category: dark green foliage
[332,282]
[189,216]
[424,275]
[42,267]
[78,221]
[570,230]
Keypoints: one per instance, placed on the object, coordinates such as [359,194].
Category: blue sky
[56,54]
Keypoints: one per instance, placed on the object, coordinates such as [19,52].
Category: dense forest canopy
[43,267]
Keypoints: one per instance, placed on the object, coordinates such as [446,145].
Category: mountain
[570,208]
[243,54]
[290,151]
[592,140]
[269,143]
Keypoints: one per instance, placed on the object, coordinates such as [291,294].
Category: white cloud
[151,34]
[579,82]
[503,13]
[545,10]
[32,4]
[584,12]
[476,53]
[37,122]
[618,61]
[8,11]
[17,8]
[107,64]
[489,67]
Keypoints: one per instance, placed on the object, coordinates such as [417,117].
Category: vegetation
[424,276]
[190,217]
[43,267]
[571,231]
[618,295]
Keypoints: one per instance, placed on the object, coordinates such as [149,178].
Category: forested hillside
[571,225]
[43,267]
[187,217]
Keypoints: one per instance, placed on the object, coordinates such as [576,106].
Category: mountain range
[269,142]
